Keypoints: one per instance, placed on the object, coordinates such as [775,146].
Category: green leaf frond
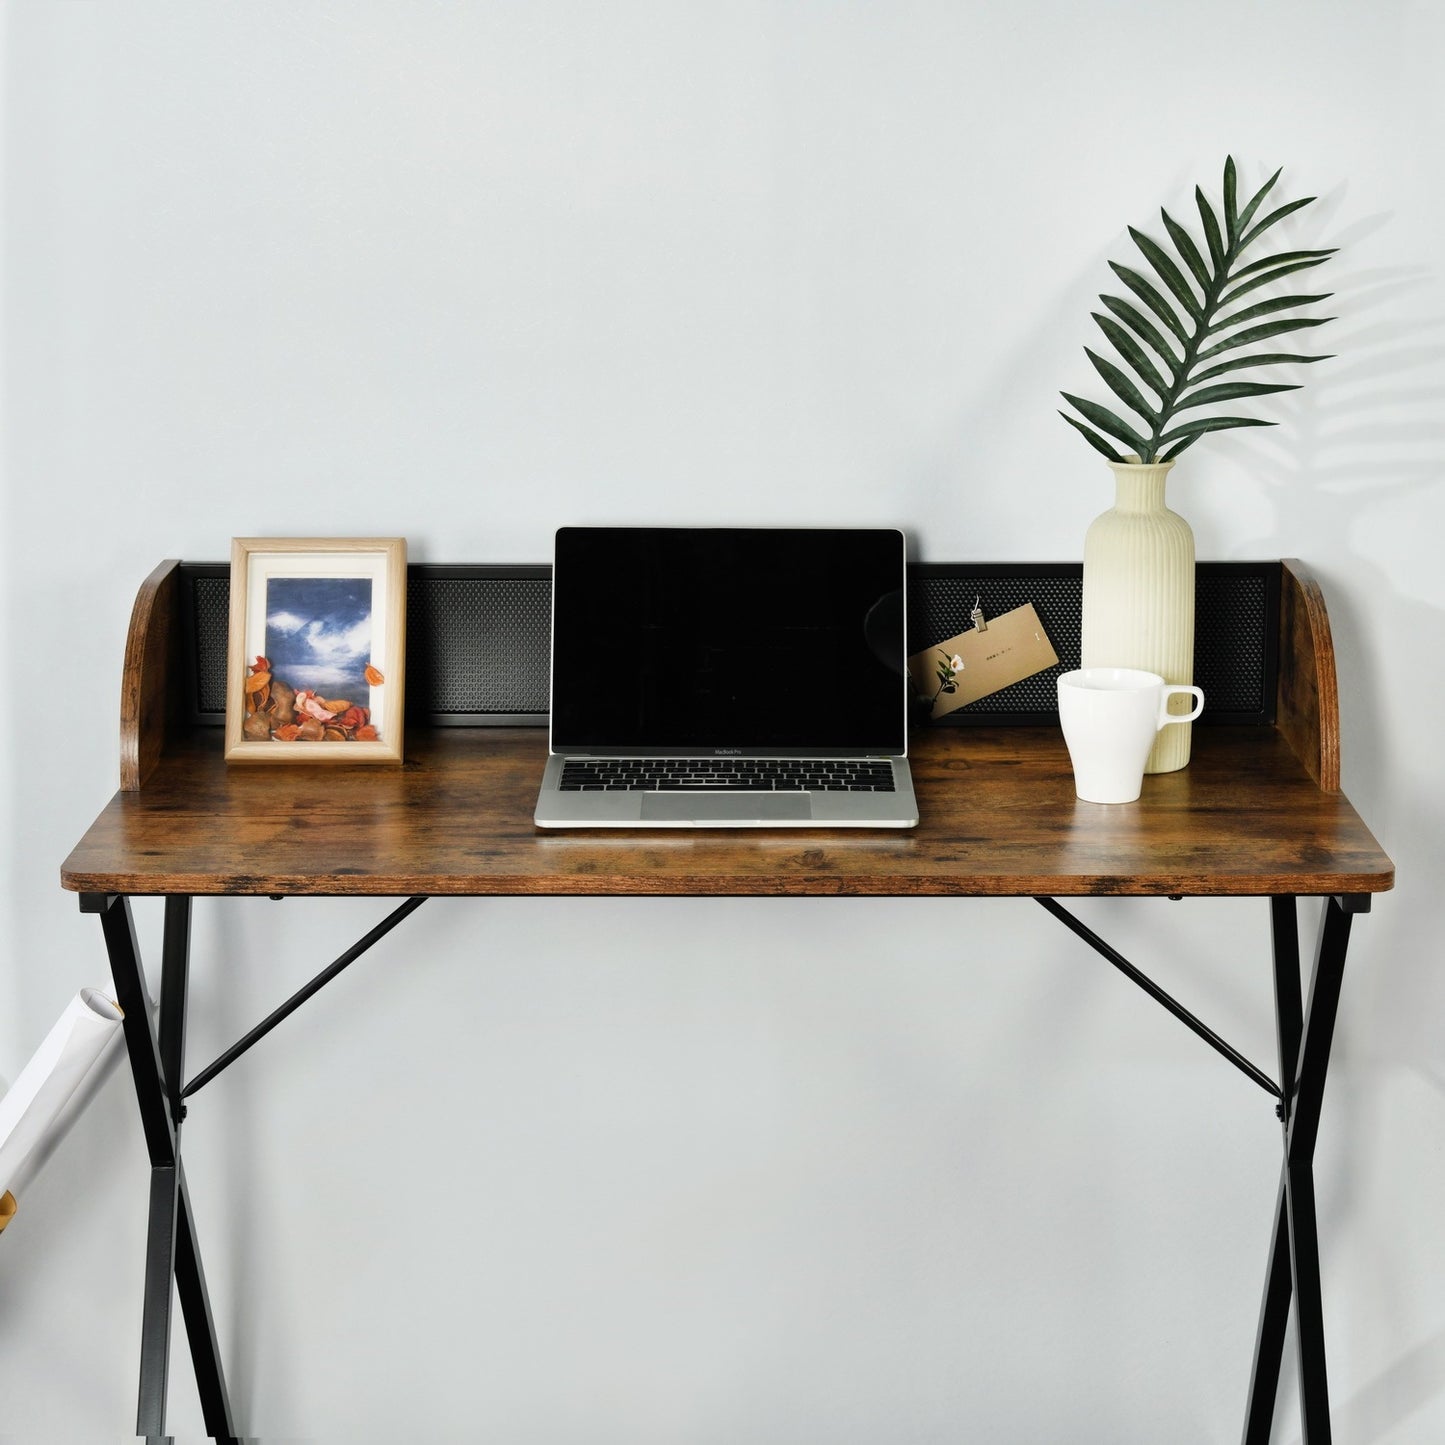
[1141,326]
[1133,353]
[1122,387]
[1182,325]
[1107,422]
[1093,438]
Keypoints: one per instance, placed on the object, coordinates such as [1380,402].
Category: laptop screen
[751,640]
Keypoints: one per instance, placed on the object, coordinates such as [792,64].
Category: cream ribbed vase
[1139,593]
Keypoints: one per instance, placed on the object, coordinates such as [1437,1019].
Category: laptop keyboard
[737,775]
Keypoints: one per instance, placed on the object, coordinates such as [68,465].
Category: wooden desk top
[999,818]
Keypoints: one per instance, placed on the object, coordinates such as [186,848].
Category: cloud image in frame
[318,634]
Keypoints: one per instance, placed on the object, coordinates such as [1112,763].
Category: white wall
[707,1171]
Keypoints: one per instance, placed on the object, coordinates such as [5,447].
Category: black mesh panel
[479,638]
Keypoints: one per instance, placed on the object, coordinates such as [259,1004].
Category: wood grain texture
[1307,711]
[999,817]
[146,681]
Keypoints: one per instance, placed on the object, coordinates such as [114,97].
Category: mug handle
[1166,717]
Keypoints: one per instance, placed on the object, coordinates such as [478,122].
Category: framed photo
[315,663]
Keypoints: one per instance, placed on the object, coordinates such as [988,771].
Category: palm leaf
[1265,308]
[1172,452]
[1229,391]
[1282,258]
[1264,278]
[1184,244]
[1143,327]
[1247,215]
[1107,422]
[1211,423]
[1122,387]
[1217,249]
[1133,353]
[1266,358]
[1151,298]
[1251,334]
[1093,438]
[1270,219]
[1169,273]
[1198,337]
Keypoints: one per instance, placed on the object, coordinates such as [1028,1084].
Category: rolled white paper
[40,1107]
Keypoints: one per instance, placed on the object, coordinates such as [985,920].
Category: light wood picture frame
[315,666]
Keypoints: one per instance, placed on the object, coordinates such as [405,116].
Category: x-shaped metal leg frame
[157,1062]
[1294,1260]
[172,1252]
[1304,1056]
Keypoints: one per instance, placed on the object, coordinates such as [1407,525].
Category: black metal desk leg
[200,1328]
[1269,1339]
[1304,1126]
[1279,1286]
[171,1251]
[1294,1255]
[155,1348]
[160,1136]
[190,1276]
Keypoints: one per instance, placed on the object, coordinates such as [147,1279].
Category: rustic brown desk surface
[997,805]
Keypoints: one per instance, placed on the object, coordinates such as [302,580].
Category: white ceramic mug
[1110,717]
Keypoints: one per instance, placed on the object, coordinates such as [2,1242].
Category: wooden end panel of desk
[150,678]
[1307,707]
[999,818]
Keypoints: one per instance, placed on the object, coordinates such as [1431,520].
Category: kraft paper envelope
[975,663]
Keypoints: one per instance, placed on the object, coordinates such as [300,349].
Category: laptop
[728,677]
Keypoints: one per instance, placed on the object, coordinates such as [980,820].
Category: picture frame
[315,663]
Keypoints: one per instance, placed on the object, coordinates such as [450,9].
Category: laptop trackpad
[703,808]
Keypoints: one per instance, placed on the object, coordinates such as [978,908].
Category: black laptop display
[756,641]
[728,677]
